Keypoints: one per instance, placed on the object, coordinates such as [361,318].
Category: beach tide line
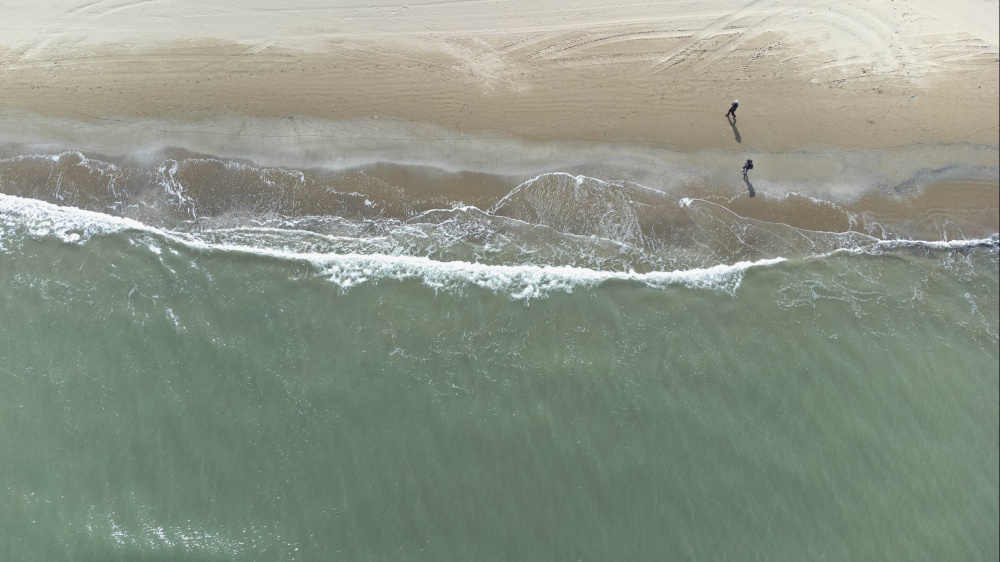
[520,282]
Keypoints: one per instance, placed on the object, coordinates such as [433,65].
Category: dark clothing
[732,109]
[747,166]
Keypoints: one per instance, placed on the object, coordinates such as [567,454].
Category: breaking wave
[424,250]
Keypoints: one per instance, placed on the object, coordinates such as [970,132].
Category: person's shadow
[749,185]
[736,132]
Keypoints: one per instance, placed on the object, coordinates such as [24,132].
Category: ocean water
[202,359]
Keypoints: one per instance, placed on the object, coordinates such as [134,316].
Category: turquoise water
[273,391]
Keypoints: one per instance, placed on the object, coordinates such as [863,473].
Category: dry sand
[893,84]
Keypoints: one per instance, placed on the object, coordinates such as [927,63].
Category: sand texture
[845,74]
[859,93]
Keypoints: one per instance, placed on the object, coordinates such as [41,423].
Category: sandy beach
[835,97]
[807,74]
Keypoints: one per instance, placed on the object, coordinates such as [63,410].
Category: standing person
[747,167]
[732,109]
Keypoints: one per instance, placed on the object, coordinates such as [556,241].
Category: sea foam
[38,220]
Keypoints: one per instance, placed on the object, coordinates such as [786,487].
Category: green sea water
[170,395]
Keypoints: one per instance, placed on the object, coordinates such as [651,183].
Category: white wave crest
[959,244]
[71,225]
[520,282]
[37,219]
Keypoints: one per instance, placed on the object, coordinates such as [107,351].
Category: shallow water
[302,365]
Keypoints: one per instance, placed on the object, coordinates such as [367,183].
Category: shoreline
[321,145]
[174,187]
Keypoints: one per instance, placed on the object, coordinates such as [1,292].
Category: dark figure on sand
[732,109]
